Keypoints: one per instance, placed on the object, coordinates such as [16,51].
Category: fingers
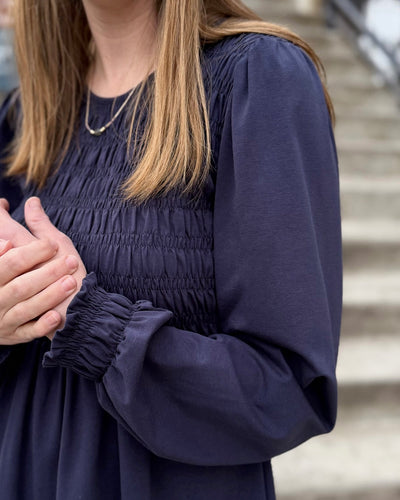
[37,287]
[11,230]
[20,260]
[37,220]
[46,325]
[35,294]
[5,246]
[25,311]
[4,204]
[31,283]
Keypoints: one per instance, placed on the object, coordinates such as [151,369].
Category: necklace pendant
[97,131]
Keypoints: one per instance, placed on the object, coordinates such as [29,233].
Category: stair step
[372,244]
[377,197]
[321,37]
[369,360]
[369,398]
[371,302]
[381,102]
[342,54]
[355,79]
[352,71]
[372,318]
[372,288]
[356,159]
[338,50]
[353,65]
[382,493]
[292,20]
[374,129]
[376,231]
[283,12]
[358,460]
[358,85]
[368,372]
[379,147]
[361,94]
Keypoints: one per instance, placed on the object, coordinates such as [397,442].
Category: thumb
[4,204]
[37,220]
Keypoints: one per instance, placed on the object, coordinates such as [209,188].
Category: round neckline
[98,100]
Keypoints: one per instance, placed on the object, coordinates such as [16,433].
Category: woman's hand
[5,246]
[10,230]
[51,292]
[28,291]
[41,227]
[4,204]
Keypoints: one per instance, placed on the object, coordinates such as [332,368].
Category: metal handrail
[346,10]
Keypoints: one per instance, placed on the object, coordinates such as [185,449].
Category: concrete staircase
[360,459]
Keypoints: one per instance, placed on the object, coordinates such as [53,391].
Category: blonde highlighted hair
[53,54]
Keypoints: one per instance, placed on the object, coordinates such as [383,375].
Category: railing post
[329,14]
[345,10]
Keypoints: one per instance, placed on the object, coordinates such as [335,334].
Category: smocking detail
[161,251]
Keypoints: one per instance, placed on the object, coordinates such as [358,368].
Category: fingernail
[35,204]
[72,262]
[68,284]
[3,244]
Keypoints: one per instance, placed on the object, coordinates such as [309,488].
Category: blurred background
[8,72]
[359,44]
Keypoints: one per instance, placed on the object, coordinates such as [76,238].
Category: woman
[189,273]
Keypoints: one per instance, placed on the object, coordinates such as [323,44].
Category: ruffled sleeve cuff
[94,328]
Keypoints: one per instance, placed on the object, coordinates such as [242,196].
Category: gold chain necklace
[99,131]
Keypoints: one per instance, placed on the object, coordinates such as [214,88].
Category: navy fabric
[8,117]
[204,339]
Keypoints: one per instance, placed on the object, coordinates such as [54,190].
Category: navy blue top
[204,340]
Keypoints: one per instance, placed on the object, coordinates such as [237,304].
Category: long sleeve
[266,382]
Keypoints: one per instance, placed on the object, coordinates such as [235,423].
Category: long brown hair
[53,56]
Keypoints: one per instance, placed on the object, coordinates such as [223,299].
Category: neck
[124,34]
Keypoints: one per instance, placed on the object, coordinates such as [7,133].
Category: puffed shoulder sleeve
[266,382]
[278,255]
